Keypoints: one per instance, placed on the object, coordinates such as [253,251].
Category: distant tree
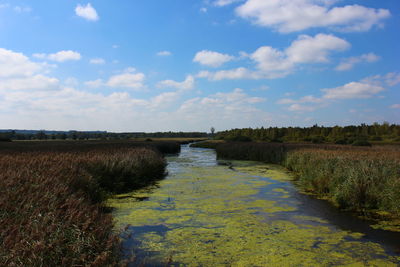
[212,131]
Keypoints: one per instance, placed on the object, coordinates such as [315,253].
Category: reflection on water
[240,214]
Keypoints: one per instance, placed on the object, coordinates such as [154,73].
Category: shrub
[341,142]
[361,142]
[239,138]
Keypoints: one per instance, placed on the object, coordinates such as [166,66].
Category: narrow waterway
[210,213]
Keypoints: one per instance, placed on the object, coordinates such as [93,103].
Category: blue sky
[188,65]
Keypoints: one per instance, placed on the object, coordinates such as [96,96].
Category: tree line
[9,135]
[316,134]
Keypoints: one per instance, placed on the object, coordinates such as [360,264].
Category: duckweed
[216,216]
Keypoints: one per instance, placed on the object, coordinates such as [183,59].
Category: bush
[341,142]
[361,142]
[239,138]
[318,139]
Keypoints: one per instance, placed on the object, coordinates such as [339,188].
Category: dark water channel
[238,213]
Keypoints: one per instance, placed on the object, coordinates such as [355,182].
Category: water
[209,213]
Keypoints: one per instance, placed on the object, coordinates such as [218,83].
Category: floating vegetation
[221,216]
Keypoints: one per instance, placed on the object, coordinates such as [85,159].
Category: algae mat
[206,214]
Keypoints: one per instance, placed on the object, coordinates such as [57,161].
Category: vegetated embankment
[362,179]
[50,201]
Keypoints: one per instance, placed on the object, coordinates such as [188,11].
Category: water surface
[241,213]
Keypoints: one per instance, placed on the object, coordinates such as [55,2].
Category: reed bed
[50,203]
[358,180]
[363,179]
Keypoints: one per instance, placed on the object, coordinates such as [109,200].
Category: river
[238,213]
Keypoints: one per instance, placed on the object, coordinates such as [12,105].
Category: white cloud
[233,74]
[233,108]
[31,99]
[272,63]
[301,108]
[305,99]
[22,9]
[352,90]
[127,79]
[61,56]
[225,2]
[390,79]
[307,49]
[17,72]
[187,84]
[296,15]
[164,53]
[97,61]
[348,63]
[366,88]
[34,82]
[211,58]
[17,64]
[87,12]
[95,83]
[395,106]
[203,10]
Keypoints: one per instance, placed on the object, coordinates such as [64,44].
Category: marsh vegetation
[51,198]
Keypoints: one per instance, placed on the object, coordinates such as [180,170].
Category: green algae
[214,216]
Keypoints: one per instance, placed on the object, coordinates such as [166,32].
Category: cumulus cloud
[296,15]
[128,79]
[18,72]
[17,64]
[61,56]
[187,84]
[389,79]
[164,53]
[87,12]
[301,108]
[225,2]
[211,58]
[235,107]
[271,63]
[95,83]
[307,49]
[34,82]
[365,88]
[353,90]
[348,63]
[33,99]
[97,61]
[395,106]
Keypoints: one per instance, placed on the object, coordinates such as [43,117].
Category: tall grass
[356,178]
[165,147]
[359,180]
[50,203]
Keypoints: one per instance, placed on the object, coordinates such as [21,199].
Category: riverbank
[51,198]
[361,179]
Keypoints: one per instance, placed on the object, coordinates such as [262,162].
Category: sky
[188,65]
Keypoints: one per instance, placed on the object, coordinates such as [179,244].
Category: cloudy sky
[160,65]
